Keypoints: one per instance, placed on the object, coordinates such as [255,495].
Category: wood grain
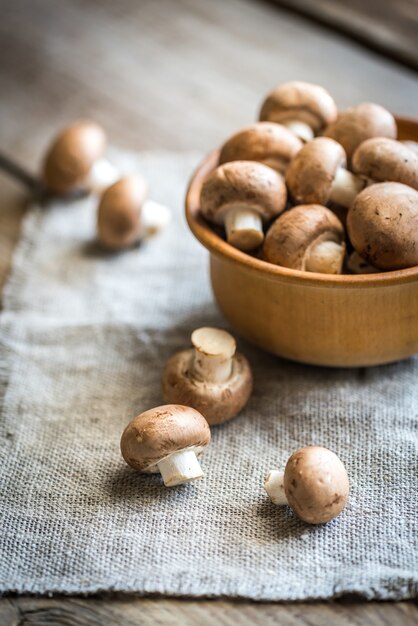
[174,75]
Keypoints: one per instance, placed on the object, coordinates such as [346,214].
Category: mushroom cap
[248,184]
[119,212]
[382,225]
[383,159]
[218,402]
[311,173]
[356,124]
[306,102]
[289,239]
[71,156]
[316,484]
[156,434]
[266,142]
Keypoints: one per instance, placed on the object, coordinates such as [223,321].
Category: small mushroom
[357,265]
[125,217]
[166,439]
[303,107]
[318,174]
[309,238]
[265,142]
[381,159]
[314,484]
[359,123]
[211,377]
[242,195]
[382,225]
[75,160]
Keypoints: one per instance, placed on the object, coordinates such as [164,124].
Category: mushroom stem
[101,175]
[345,187]
[358,265]
[180,467]
[214,349]
[244,228]
[301,129]
[274,486]
[326,257]
[154,217]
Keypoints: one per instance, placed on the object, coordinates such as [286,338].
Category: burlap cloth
[84,338]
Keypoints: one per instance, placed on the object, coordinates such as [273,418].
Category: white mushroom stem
[180,467]
[358,265]
[300,129]
[274,486]
[213,353]
[154,218]
[101,175]
[326,257]
[244,227]
[345,187]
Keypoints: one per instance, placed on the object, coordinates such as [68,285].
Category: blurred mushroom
[211,377]
[318,174]
[124,215]
[242,195]
[309,238]
[381,159]
[357,265]
[364,121]
[265,142]
[303,107]
[314,484]
[75,160]
[382,225]
[412,145]
[166,439]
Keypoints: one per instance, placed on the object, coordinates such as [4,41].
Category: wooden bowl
[337,321]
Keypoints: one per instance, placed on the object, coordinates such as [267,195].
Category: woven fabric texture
[84,337]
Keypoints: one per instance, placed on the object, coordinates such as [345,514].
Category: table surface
[172,75]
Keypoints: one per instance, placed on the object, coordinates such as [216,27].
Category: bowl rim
[219,247]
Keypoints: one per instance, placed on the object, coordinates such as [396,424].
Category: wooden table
[175,75]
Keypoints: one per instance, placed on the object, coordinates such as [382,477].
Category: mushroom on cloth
[75,160]
[211,377]
[314,484]
[125,216]
[303,107]
[166,439]
[308,237]
[265,142]
[242,195]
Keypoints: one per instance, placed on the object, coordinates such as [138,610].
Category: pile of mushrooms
[315,189]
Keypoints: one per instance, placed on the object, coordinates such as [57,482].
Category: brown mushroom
[303,107]
[314,484]
[309,238]
[124,216]
[318,174]
[382,225]
[211,377]
[364,121]
[166,439]
[381,159]
[266,142]
[75,160]
[242,195]
[357,265]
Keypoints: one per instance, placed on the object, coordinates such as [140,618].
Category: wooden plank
[389,27]
[128,611]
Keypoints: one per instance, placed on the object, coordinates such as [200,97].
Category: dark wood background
[177,75]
